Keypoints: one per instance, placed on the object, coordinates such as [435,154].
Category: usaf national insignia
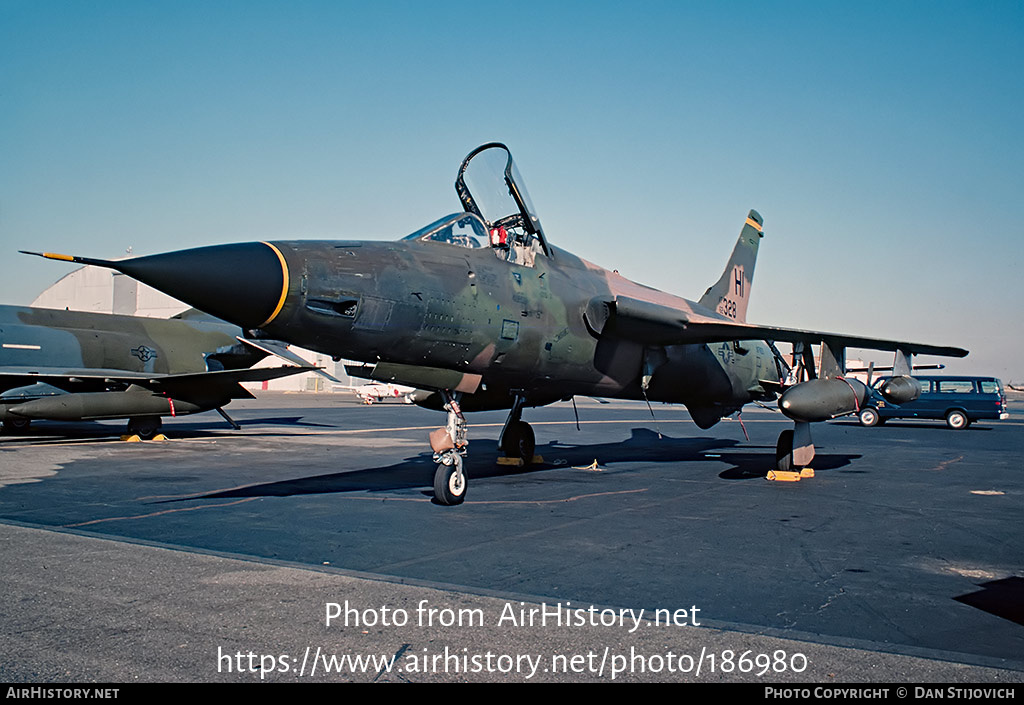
[144,353]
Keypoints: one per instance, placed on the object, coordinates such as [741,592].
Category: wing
[179,385]
[279,349]
[657,324]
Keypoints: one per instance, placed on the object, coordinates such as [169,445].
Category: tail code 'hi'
[731,293]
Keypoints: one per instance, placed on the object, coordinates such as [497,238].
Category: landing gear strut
[450,446]
[517,439]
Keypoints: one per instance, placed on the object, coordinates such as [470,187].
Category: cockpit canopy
[489,186]
[498,211]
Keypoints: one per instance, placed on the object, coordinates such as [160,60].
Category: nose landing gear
[450,446]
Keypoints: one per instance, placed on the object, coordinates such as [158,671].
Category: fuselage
[521,327]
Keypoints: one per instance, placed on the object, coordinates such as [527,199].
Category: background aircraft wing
[98,380]
[657,324]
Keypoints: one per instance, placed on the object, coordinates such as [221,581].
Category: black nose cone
[245,283]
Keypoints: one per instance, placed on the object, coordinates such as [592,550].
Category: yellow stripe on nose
[284,286]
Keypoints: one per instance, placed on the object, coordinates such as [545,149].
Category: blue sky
[881,142]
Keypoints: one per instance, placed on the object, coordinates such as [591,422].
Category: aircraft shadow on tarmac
[58,432]
[93,432]
[1002,598]
[284,421]
[643,446]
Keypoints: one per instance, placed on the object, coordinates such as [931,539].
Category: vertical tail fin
[731,293]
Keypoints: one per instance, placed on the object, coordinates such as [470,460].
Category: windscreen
[462,229]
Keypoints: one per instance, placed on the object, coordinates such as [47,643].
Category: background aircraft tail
[730,294]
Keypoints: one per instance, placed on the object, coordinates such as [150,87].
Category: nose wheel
[449,480]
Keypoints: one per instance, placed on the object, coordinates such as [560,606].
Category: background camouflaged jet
[71,366]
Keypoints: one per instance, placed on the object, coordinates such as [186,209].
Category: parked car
[958,400]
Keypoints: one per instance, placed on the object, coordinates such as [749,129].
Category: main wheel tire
[957,420]
[784,452]
[449,483]
[869,416]
[519,441]
[12,425]
[145,427]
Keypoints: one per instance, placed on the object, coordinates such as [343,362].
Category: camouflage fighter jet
[481,309]
[71,366]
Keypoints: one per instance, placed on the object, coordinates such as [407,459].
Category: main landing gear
[145,427]
[517,441]
[794,451]
[14,425]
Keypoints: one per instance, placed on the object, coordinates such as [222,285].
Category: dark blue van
[958,400]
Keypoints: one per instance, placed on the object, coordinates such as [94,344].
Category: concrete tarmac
[218,555]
